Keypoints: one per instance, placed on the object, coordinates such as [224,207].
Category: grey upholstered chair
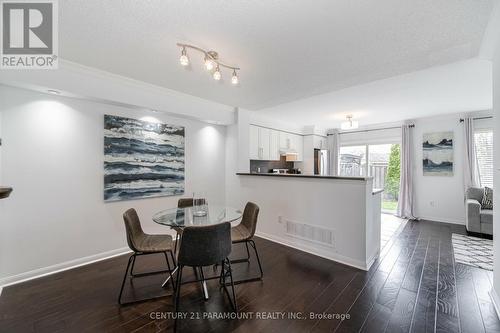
[205,246]
[477,220]
[143,244]
[244,232]
[181,203]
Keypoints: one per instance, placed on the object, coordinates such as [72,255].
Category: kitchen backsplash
[266,166]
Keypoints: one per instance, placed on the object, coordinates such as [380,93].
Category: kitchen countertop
[300,176]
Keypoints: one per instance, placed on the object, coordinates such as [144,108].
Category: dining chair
[205,246]
[181,203]
[143,244]
[243,233]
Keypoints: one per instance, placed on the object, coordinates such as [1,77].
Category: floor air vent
[312,233]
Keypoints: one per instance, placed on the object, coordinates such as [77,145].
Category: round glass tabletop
[199,216]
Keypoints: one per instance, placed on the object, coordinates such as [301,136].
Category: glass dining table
[196,216]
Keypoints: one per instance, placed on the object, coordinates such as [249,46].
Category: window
[380,161]
[483,140]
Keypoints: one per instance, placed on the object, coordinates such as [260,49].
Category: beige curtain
[405,200]
[333,152]
[471,174]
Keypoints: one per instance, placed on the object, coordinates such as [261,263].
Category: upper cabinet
[320,142]
[263,144]
[254,143]
[274,145]
[268,144]
[297,145]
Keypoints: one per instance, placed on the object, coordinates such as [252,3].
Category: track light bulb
[234,78]
[217,75]
[184,60]
[209,64]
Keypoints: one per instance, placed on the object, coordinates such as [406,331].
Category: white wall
[441,198]
[52,155]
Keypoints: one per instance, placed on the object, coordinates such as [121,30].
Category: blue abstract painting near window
[438,154]
[142,159]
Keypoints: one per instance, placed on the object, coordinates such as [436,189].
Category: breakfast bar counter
[334,217]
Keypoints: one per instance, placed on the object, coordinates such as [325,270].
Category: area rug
[473,251]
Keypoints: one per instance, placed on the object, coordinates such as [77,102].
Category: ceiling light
[54,92]
[234,78]
[184,60]
[217,74]
[211,61]
[209,64]
[349,124]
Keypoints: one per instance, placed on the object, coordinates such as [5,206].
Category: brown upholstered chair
[143,244]
[244,232]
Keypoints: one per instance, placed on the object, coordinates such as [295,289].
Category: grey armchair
[477,220]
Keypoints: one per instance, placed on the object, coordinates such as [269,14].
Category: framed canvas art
[142,159]
[438,154]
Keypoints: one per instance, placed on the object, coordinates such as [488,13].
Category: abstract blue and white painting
[142,159]
[438,154]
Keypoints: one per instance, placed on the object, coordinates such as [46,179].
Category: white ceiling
[288,50]
[459,87]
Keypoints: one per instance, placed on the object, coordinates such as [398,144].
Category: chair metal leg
[259,278]
[177,295]
[169,271]
[221,274]
[130,264]
[247,259]
[125,278]
[257,255]
[231,283]
[173,258]
[203,284]
[176,241]
[132,268]
[135,275]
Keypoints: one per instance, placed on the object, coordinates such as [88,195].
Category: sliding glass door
[353,161]
[380,161]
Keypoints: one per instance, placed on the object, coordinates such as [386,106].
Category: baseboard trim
[442,220]
[496,301]
[64,266]
[334,257]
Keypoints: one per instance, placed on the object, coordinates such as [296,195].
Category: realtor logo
[29,32]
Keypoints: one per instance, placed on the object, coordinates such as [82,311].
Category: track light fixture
[211,61]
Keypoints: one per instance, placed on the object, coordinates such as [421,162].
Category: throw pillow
[487,202]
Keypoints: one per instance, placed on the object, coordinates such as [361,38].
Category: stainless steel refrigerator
[321,162]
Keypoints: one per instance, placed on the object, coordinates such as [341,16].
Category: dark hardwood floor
[415,286]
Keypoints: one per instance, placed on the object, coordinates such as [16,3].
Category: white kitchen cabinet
[254,143]
[264,144]
[297,145]
[274,145]
[320,142]
[285,141]
[264,141]
[267,144]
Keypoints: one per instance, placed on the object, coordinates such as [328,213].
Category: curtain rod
[374,129]
[477,118]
